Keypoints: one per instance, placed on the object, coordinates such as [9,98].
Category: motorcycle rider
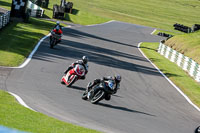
[57,31]
[116,79]
[82,62]
[58,25]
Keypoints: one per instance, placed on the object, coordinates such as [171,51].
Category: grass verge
[13,115]
[187,44]
[19,39]
[179,77]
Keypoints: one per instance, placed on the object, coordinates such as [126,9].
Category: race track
[146,102]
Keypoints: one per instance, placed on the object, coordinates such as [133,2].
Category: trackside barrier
[186,63]
[4,19]
[36,11]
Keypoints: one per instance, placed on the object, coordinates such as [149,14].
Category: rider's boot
[107,97]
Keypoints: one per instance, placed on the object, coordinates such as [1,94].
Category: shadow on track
[78,88]
[80,34]
[123,109]
[98,55]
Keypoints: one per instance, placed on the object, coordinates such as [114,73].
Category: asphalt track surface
[146,102]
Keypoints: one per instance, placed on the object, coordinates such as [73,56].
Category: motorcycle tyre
[197,130]
[72,81]
[52,43]
[84,97]
[94,101]
[62,82]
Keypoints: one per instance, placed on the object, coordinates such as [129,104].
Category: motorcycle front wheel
[84,97]
[52,42]
[98,95]
[71,80]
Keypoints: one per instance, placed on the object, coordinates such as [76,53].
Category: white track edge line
[21,101]
[153,32]
[30,55]
[178,89]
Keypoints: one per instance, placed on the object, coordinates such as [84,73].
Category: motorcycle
[73,75]
[54,39]
[101,91]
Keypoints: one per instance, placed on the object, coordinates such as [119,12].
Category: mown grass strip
[13,115]
[179,77]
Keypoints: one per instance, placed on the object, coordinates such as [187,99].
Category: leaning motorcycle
[73,75]
[54,39]
[99,92]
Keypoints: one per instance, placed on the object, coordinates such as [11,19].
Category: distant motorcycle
[99,92]
[54,39]
[73,75]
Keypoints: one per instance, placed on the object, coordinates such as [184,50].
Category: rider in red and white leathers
[82,62]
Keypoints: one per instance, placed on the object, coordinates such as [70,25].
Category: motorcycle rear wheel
[98,95]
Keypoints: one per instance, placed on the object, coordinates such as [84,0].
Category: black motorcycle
[54,39]
[101,91]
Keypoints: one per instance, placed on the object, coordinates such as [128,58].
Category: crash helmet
[58,22]
[85,59]
[117,78]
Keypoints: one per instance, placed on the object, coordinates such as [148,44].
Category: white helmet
[58,22]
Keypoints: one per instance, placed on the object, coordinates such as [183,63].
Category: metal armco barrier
[186,63]
[4,19]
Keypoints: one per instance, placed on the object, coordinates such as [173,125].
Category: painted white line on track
[153,32]
[178,89]
[21,101]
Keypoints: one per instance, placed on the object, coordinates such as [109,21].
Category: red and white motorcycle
[73,75]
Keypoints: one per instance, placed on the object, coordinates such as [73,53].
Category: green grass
[154,13]
[187,44]
[19,39]
[14,115]
[179,77]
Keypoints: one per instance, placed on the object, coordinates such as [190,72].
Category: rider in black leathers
[116,79]
[82,62]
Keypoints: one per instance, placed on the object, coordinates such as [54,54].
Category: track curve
[147,102]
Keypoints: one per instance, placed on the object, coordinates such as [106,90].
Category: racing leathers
[81,63]
[58,32]
[97,81]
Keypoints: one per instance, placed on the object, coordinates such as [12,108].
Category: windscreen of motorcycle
[79,69]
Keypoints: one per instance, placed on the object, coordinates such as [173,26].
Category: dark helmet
[117,78]
[85,59]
